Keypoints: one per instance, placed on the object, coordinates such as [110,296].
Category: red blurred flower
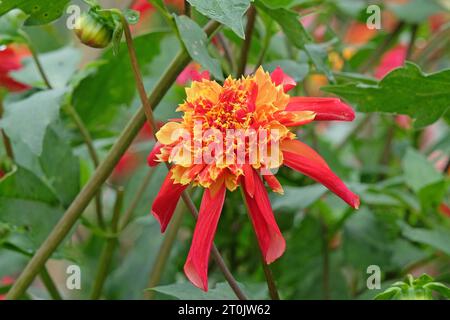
[143,6]
[192,73]
[260,104]
[6,281]
[445,210]
[392,59]
[438,20]
[127,164]
[10,58]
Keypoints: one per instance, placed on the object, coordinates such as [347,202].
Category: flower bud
[93,30]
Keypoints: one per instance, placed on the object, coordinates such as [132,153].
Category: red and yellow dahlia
[259,107]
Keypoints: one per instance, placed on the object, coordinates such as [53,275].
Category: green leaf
[228,12]
[297,198]
[40,12]
[438,238]
[289,21]
[196,43]
[439,287]
[406,90]
[100,95]
[59,67]
[10,27]
[186,291]
[27,120]
[415,11]
[389,294]
[34,195]
[418,171]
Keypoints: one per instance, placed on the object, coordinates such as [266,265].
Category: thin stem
[150,119]
[390,39]
[37,61]
[271,286]
[75,210]
[137,73]
[412,41]
[6,141]
[273,291]
[265,48]
[326,261]
[108,251]
[227,51]
[251,19]
[134,203]
[435,42]
[164,251]
[187,9]
[165,13]
[93,154]
[50,285]
[367,118]
[215,253]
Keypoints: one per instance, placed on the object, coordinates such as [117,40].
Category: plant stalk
[251,19]
[6,141]
[50,285]
[107,254]
[164,251]
[151,120]
[73,213]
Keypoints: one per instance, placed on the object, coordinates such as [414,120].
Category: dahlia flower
[237,134]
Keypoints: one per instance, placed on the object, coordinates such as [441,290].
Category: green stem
[271,286]
[215,253]
[187,9]
[150,118]
[137,73]
[412,41]
[165,13]
[50,285]
[227,51]
[390,39]
[326,261]
[164,251]
[251,19]
[6,141]
[134,203]
[265,48]
[107,254]
[37,61]
[93,154]
[436,42]
[100,175]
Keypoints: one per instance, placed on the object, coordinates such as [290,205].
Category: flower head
[237,134]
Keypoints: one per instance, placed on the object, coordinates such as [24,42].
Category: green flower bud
[93,30]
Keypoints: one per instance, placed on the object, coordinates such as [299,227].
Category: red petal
[269,236]
[280,78]
[196,266]
[273,183]
[249,180]
[326,109]
[166,201]
[302,158]
[152,158]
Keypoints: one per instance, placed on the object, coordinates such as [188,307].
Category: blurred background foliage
[395,155]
